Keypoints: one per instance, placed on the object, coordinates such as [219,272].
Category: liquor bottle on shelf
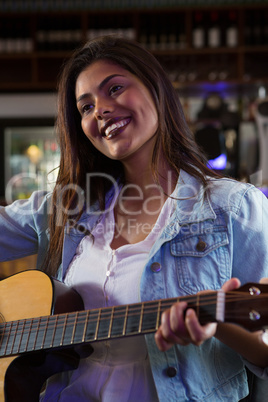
[198,36]
[214,31]
[232,30]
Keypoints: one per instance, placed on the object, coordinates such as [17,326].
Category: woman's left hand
[177,329]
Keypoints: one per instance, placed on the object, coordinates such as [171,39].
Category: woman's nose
[102,108]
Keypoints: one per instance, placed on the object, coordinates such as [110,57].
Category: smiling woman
[137,217]
[118,114]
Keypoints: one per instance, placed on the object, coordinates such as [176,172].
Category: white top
[117,370]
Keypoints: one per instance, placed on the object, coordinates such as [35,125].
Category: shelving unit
[33,46]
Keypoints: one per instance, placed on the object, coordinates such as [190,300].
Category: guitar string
[51,320]
[135,309]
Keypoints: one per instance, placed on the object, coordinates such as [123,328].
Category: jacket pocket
[202,259]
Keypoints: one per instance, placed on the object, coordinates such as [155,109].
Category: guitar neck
[246,306]
[70,329]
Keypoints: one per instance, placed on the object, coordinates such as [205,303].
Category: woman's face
[118,114]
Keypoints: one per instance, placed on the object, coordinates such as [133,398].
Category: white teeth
[115,126]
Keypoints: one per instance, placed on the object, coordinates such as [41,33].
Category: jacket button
[156,267]
[171,372]
[201,245]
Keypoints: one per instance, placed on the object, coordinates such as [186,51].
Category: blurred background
[215,53]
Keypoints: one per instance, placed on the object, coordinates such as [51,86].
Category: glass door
[31,160]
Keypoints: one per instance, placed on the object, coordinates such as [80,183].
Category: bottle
[214,32]
[198,37]
[232,30]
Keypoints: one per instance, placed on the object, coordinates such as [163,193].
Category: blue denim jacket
[231,221]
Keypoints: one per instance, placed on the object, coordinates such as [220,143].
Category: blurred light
[218,163]
[264,190]
[262,92]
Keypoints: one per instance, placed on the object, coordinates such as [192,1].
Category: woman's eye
[86,108]
[115,88]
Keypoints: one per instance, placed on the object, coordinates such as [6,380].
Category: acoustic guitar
[43,322]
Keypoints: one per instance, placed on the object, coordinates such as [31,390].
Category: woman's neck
[140,177]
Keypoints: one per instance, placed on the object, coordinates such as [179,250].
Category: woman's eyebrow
[101,85]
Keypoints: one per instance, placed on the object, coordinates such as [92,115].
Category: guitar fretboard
[93,325]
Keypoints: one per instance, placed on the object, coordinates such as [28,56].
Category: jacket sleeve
[22,225]
[250,254]
[250,237]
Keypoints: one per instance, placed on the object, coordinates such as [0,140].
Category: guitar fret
[141,317]
[158,315]
[21,336]
[197,305]
[74,328]
[133,321]
[10,339]
[28,336]
[106,323]
[63,331]
[14,337]
[6,338]
[111,323]
[125,321]
[36,333]
[98,324]
[41,334]
[45,332]
[80,326]
[151,314]
[54,331]
[70,334]
[91,328]
[2,332]
[85,327]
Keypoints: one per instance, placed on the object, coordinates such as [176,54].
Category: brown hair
[78,155]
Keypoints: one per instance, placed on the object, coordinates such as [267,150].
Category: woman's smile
[114,127]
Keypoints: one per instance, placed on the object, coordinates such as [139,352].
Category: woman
[136,215]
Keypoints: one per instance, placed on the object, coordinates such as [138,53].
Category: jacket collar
[193,202]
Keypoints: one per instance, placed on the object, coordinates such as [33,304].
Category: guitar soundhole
[254,315]
[254,291]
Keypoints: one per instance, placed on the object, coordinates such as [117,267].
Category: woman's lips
[113,128]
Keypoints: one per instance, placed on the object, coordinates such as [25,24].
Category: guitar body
[32,294]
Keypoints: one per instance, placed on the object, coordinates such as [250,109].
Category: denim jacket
[213,234]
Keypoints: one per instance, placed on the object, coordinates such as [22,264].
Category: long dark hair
[78,155]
